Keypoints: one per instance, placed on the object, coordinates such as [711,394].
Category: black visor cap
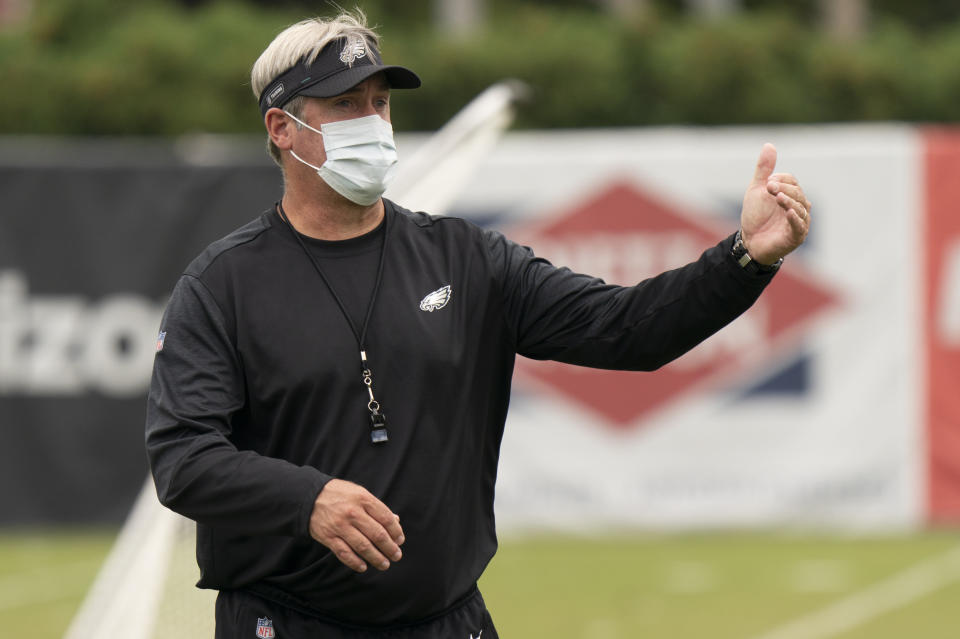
[341,65]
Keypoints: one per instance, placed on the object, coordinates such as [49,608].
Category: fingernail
[397,555]
[401,540]
[384,565]
[362,568]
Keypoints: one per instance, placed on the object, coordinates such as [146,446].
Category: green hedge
[153,68]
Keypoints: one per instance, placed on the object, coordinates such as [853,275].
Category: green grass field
[685,586]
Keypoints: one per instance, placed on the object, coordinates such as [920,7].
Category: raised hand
[775,218]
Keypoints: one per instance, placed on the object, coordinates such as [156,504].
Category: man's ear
[280,128]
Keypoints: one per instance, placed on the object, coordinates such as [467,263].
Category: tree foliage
[148,67]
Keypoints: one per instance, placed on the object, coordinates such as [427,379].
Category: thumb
[765,164]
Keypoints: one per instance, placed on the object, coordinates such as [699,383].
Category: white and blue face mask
[361,157]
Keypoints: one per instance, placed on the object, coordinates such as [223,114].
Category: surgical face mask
[361,157]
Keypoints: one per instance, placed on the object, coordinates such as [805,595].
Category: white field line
[47,585]
[917,581]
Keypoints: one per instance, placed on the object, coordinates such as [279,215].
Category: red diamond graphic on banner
[624,236]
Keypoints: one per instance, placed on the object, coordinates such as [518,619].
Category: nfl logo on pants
[265,628]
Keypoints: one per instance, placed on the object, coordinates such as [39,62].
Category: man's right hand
[356,526]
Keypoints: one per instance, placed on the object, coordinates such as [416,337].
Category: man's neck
[329,216]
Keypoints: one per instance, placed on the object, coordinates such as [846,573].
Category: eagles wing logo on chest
[436,300]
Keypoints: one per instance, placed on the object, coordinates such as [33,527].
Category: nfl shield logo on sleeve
[265,628]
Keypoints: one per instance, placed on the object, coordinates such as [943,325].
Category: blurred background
[795,477]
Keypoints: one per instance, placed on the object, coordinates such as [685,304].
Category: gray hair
[305,39]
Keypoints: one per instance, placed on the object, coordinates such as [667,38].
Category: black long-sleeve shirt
[257,398]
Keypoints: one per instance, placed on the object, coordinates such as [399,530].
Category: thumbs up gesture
[775,217]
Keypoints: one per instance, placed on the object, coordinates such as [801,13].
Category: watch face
[764,268]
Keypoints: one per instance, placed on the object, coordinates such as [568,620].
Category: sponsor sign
[805,409]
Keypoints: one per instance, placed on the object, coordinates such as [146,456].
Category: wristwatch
[747,263]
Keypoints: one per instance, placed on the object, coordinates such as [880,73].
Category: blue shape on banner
[792,379]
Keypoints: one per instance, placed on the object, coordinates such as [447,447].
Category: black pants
[241,615]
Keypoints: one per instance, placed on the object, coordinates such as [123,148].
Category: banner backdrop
[831,403]
[89,251]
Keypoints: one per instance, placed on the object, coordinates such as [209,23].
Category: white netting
[145,589]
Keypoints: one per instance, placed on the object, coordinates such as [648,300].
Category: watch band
[747,263]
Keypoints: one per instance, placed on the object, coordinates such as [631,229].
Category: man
[330,392]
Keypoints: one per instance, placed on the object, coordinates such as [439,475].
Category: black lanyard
[378,421]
